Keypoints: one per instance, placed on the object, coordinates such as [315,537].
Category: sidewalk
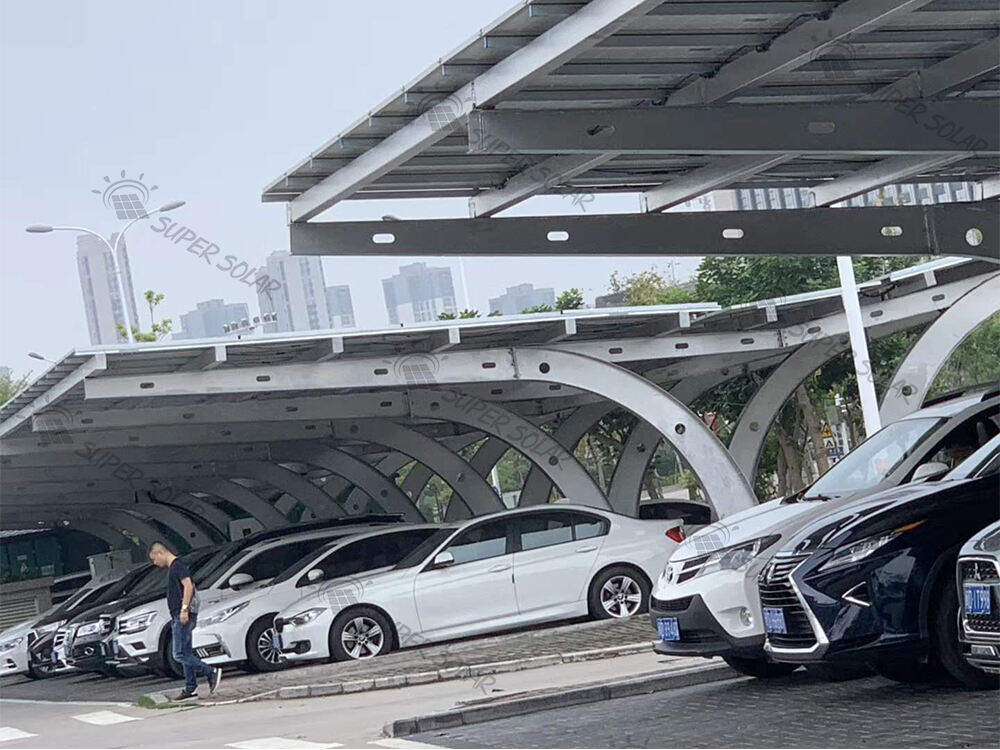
[471,660]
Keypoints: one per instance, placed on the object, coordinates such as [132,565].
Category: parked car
[140,630]
[241,628]
[873,581]
[705,603]
[490,573]
[979,597]
[64,587]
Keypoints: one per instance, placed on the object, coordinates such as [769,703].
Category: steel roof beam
[926,126]
[708,178]
[922,230]
[590,25]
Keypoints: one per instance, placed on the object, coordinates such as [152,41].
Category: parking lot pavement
[794,711]
[539,642]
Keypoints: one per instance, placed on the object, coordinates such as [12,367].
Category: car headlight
[736,557]
[11,644]
[222,615]
[858,551]
[306,616]
[90,628]
[135,623]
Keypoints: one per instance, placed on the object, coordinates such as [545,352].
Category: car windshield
[156,580]
[874,459]
[213,567]
[420,552]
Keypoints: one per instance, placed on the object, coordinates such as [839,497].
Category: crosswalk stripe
[281,743]
[401,744]
[10,733]
[104,718]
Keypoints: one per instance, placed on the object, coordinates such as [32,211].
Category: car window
[544,529]
[586,526]
[966,438]
[420,552]
[874,459]
[268,563]
[689,513]
[480,542]
[367,554]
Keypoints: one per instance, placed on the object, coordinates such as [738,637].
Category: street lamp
[45,229]
[36,355]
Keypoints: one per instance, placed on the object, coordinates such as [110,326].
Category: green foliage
[537,309]
[157,330]
[650,288]
[10,386]
[571,299]
[463,314]
[976,361]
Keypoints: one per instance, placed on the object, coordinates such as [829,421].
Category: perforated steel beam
[885,230]
[307,493]
[242,497]
[178,522]
[535,444]
[916,373]
[464,481]
[626,482]
[210,514]
[377,486]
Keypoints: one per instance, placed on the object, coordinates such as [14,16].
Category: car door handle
[499,568]
[586,549]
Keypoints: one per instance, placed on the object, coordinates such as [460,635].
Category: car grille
[690,568]
[59,638]
[983,572]
[670,605]
[776,591]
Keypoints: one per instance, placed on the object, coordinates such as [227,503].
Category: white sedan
[486,574]
[240,629]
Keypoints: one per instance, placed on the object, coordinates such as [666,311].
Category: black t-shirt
[175,589]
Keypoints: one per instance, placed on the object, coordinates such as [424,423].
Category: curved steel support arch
[101,530]
[452,468]
[763,408]
[176,521]
[286,480]
[727,489]
[376,485]
[537,445]
[916,373]
[217,518]
[537,485]
[146,533]
[238,495]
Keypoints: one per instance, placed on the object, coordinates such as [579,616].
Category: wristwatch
[184,608]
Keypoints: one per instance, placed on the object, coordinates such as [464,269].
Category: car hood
[17,631]
[114,608]
[339,593]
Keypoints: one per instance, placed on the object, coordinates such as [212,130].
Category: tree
[650,288]
[157,330]
[571,299]
[462,314]
[9,385]
[537,309]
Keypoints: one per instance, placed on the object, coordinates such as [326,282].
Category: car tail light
[676,534]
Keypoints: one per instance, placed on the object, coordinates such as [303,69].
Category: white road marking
[281,743]
[65,703]
[104,718]
[401,744]
[10,733]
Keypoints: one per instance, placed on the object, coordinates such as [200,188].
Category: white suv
[706,602]
[240,629]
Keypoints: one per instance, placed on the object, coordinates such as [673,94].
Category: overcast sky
[210,101]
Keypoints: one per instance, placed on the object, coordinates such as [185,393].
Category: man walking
[182,602]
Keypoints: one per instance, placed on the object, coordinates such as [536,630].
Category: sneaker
[214,680]
[184,695]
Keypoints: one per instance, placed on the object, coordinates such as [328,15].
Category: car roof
[329,533]
[952,406]
[387,529]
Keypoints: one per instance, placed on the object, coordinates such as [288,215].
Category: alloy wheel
[266,649]
[362,638]
[621,596]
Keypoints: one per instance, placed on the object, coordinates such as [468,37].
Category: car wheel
[168,664]
[360,633]
[759,667]
[262,656]
[945,643]
[617,593]
[39,672]
[840,672]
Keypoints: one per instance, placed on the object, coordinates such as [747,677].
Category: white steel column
[859,345]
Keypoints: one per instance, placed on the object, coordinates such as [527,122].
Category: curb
[591,693]
[357,685]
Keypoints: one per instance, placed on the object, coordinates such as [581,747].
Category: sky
[209,102]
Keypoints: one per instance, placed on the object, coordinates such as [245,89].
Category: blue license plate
[668,629]
[977,600]
[276,641]
[774,620]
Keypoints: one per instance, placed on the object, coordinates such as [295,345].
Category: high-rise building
[209,317]
[339,306]
[519,298]
[300,301]
[418,293]
[101,301]
[909,194]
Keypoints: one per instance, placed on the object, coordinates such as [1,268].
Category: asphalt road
[795,711]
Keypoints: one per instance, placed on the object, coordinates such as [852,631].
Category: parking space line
[10,733]
[281,743]
[104,718]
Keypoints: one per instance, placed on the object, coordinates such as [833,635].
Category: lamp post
[45,229]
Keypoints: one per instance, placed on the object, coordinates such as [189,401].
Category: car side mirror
[443,560]
[930,470]
[240,579]
[316,574]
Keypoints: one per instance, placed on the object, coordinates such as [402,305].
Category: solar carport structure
[189,436]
